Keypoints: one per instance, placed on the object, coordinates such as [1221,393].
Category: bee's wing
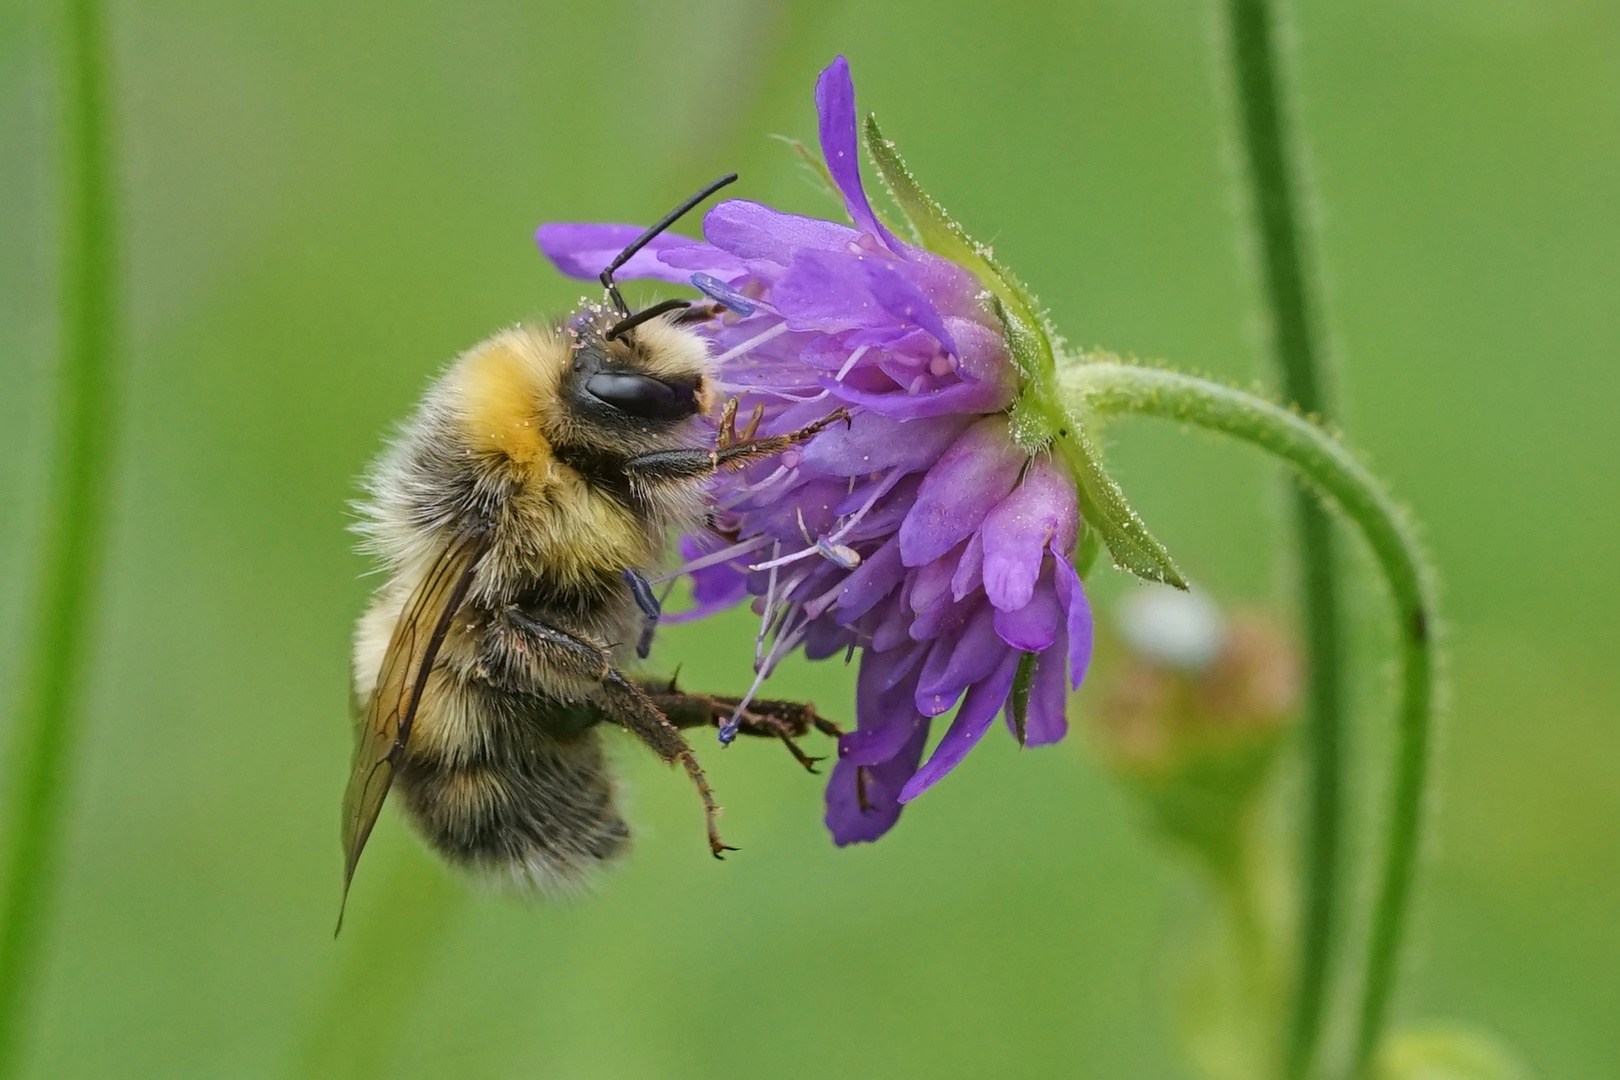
[384,724]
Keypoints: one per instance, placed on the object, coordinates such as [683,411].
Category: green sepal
[1018,702]
[1103,508]
[824,178]
[1032,427]
[1089,548]
[937,231]
[1039,419]
[818,168]
[1024,342]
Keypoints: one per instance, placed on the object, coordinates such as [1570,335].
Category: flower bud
[1194,713]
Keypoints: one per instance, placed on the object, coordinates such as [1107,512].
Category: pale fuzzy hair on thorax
[503,389]
[507,370]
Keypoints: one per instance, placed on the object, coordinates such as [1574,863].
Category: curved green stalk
[51,677]
[1102,388]
[1258,87]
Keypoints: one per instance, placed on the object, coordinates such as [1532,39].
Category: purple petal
[707,259]
[906,668]
[978,709]
[870,582]
[1072,594]
[1041,511]
[583,250]
[971,657]
[826,639]
[983,354]
[967,482]
[885,517]
[714,588]
[812,501]
[895,628]
[944,618]
[906,303]
[753,231]
[884,715]
[931,585]
[963,397]
[970,570]
[835,106]
[1034,626]
[829,291]
[847,819]
[873,442]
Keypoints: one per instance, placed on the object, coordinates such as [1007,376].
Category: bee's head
[640,382]
[536,390]
[603,386]
[634,376]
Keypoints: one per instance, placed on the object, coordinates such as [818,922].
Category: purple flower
[923,534]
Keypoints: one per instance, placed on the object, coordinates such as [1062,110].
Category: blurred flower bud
[1193,714]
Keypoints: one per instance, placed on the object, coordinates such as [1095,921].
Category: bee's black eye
[642,395]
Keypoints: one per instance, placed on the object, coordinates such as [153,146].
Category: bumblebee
[516,514]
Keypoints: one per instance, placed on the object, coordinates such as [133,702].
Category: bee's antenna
[645,238]
[630,322]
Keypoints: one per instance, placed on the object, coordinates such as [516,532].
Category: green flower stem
[1258,89]
[52,673]
[1095,389]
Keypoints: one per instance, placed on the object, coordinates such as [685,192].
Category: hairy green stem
[1102,388]
[52,674]
[1258,88]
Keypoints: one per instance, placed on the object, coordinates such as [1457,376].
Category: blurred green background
[321,203]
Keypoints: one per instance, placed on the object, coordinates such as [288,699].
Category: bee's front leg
[728,436]
[674,466]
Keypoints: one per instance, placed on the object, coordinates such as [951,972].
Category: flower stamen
[849,365]
[786,641]
[714,558]
[752,343]
[830,546]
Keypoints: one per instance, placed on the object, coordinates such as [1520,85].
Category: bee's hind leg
[633,710]
[788,721]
